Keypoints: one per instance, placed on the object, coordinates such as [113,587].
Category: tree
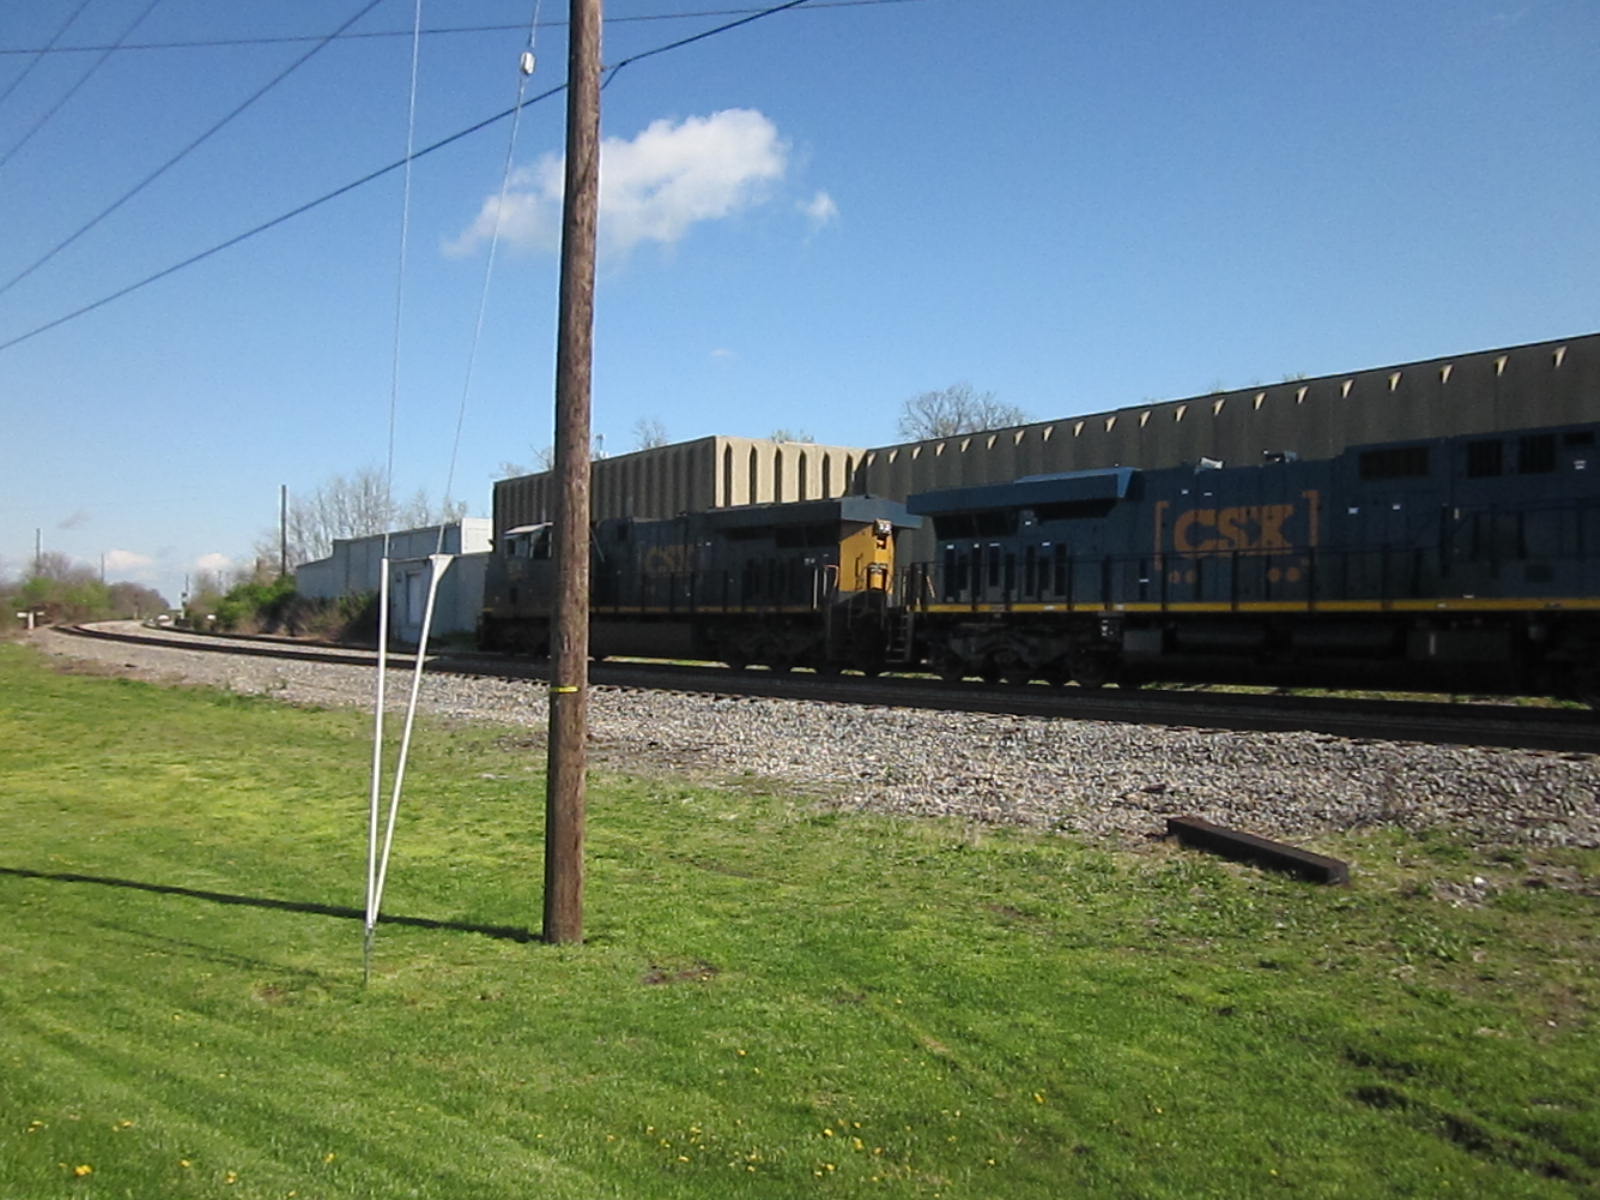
[790,435]
[135,600]
[64,590]
[955,409]
[648,433]
[544,458]
[350,507]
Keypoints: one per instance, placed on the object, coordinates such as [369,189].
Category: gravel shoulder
[1093,778]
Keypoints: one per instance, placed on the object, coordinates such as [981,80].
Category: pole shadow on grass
[508,932]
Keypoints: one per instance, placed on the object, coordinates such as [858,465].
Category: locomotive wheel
[947,665]
[990,673]
[1019,676]
[827,670]
[1586,686]
[1090,671]
[736,663]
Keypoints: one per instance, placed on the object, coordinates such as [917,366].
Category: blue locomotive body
[1465,561]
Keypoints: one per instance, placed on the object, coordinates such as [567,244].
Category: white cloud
[820,210]
[130,563]
[214,563]
[652,189]
[723,354]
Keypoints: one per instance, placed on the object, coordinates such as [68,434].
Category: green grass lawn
[774,1000]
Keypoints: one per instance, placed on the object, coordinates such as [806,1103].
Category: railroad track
[1433,722]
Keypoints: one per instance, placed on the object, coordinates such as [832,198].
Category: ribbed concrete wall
[713,472]
[1548,383]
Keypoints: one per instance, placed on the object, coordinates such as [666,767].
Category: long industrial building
[710,472]
[1545,383]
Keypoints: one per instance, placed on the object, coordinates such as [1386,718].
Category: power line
[216,43]
[525,69]
[38,56]
[184,153]
[82,79]
[613,72]
[371,176]
[279,220]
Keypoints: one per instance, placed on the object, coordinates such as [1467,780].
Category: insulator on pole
[528,62]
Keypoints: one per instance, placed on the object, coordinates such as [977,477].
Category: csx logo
[666,560]
[1256,527]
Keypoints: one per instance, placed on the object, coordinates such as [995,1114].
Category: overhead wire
[400,273]
[194,145]
[524,74]
[371,176]
[216,43]
[280,219]
[82,79]
[40,55]
[613,72]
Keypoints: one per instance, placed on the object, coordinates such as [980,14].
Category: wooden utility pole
[569,633]
[283,530]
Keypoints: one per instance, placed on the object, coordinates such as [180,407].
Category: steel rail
[1498,725]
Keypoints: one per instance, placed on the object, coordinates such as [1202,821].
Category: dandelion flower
[82,1169]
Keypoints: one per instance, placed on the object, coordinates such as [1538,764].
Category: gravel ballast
[1095,778]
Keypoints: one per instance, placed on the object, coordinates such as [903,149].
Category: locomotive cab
[528,541]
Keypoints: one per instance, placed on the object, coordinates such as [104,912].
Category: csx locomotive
[1463,562]
[1456,562]
[783,585]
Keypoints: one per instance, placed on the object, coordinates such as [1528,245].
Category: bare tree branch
[955,409]
[350,507]
[648,433]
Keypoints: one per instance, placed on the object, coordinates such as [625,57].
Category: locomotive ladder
[902,635]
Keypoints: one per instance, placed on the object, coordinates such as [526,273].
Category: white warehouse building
[353,569]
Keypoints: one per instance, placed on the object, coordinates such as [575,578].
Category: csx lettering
[666,560]
[1243,527]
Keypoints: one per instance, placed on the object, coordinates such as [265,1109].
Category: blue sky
[1077,206]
